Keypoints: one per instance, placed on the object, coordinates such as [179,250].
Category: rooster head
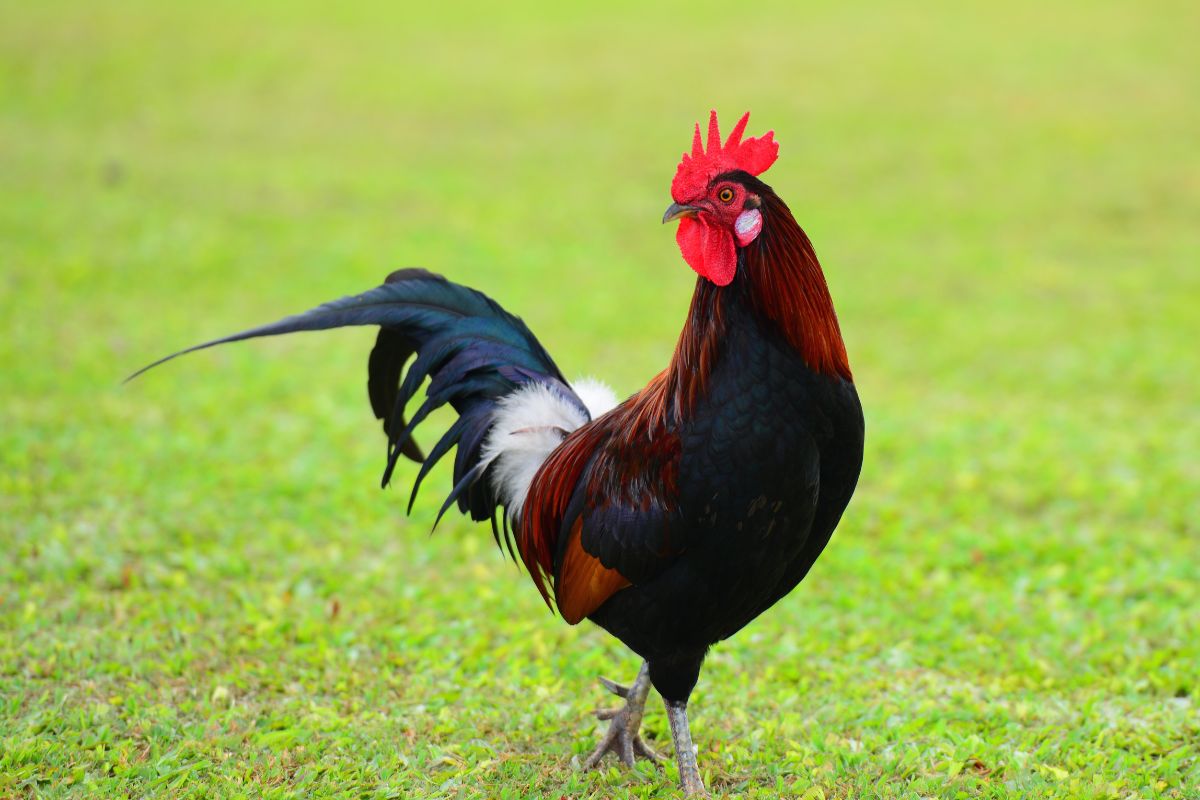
[716,210]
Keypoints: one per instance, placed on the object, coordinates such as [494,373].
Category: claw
[622,738]
[646,751]
[616,688]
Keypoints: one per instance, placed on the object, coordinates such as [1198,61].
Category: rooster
[672,519]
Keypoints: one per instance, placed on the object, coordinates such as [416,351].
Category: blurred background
[202,589]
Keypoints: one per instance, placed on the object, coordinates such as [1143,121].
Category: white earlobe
[747,226]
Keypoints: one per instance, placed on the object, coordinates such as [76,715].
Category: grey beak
[678,211]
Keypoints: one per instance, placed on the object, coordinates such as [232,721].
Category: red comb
[755,155]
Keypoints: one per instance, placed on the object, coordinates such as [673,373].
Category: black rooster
[677,517]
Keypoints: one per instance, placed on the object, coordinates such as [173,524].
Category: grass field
[203,592]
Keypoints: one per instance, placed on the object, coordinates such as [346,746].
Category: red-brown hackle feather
[788,287]
[696,169]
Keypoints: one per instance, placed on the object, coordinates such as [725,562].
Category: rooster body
[764,475]
[672,519]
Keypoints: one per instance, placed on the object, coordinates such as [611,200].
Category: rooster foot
[622,738]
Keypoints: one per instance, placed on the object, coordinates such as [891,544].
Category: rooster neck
[779,282]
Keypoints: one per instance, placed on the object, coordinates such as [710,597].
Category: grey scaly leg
[622,737]
[685,752]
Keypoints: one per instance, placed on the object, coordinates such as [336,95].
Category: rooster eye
[725,195]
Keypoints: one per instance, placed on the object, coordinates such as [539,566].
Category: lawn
[203,591]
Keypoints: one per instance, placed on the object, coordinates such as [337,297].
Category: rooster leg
[622,738]
[685,751]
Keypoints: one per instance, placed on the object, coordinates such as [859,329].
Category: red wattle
[707,249]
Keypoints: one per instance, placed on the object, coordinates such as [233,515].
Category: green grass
[203,593]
